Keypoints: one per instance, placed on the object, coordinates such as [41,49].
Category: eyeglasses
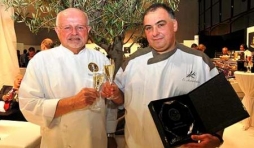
[79,28]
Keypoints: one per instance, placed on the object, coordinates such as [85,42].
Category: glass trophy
[177,120]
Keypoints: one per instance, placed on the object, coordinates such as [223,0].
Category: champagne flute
[109,72]
[98,79]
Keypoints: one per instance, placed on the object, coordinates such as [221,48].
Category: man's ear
[56,30]
[88,29]
[175,24]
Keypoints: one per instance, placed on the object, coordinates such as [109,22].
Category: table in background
[246,83]
[227,66]
[18,134]
[236,87]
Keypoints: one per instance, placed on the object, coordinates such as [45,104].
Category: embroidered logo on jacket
[191,77]
[192,74]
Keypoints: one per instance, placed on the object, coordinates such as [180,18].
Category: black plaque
[209,108]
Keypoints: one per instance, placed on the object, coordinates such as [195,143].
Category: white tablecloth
[246,83]
[236,87]
[18,134]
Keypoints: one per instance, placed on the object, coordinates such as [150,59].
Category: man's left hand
[203,141]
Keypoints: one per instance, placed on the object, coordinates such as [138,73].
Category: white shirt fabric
[147,76]
[55,74]
[2,106]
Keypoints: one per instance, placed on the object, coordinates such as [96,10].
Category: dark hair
[244,46]
[194,45]
[155,6]
[31,49]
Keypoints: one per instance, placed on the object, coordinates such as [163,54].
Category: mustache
[74,37]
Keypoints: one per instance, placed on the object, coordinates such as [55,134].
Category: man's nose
[155,31]
[74,30]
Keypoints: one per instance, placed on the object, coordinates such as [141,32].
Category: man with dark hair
[164,69]
[30,55]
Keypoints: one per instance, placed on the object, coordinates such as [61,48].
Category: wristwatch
[111,135]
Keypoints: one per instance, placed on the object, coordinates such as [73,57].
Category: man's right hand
[6,97]
[86,97]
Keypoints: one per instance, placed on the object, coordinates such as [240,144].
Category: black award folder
[209,108]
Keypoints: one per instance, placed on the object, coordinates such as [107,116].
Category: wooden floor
[234,137]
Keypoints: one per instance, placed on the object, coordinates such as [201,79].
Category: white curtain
[9,67]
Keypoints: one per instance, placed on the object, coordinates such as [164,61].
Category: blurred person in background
[243,47]
[202,47]
[9,94]
[23,58]
[30,55]
[194,46]
[47,44]
[224,51]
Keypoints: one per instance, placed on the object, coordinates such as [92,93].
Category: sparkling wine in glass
[110,70]
[98,79]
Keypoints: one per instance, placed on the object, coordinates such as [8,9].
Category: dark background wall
[224,23]
[187,18]
[28,38]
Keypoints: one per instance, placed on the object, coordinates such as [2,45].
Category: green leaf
[108,17]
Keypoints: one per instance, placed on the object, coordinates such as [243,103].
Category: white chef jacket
[147,76]
[55,74]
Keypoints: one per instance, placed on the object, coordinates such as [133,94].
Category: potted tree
[110,19]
